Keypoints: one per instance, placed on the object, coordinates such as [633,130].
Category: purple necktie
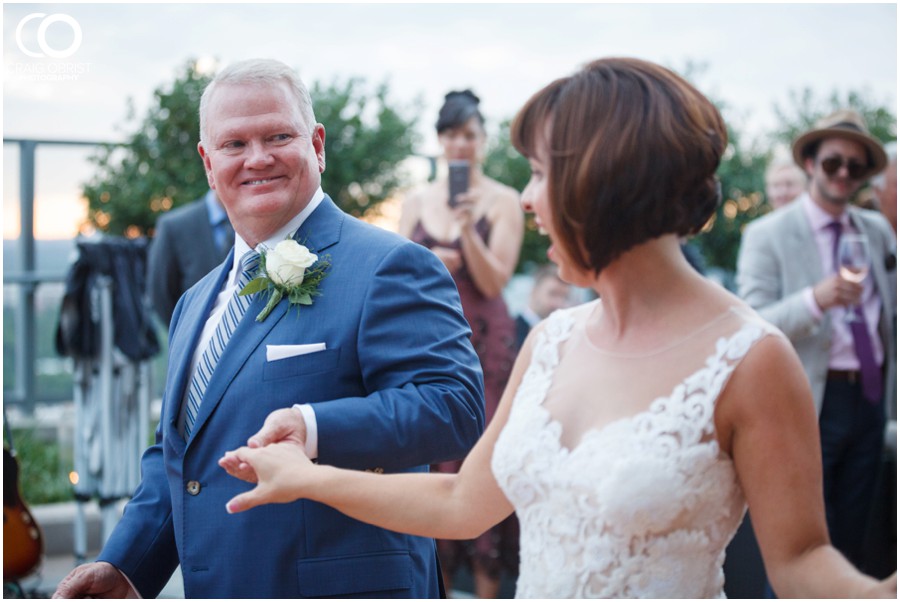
[872,386]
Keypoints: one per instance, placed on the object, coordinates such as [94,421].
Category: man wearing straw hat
[789,270]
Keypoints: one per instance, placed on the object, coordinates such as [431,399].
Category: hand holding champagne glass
[853,261]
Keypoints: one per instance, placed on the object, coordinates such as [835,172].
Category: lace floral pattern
[642,507]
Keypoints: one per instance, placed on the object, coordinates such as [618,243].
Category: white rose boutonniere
[289,270]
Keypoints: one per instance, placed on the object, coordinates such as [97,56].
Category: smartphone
[459,180]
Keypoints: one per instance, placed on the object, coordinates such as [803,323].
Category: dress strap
[697,395]
[551,333]
[557,329]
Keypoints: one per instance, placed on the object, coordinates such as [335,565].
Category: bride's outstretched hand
[279,471]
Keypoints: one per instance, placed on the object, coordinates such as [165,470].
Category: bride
[636,429]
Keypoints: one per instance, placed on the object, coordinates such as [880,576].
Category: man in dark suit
[189,242]
[376,374]
[788,271]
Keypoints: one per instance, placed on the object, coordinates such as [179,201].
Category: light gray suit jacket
[778,259]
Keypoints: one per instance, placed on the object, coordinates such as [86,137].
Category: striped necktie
[210,358]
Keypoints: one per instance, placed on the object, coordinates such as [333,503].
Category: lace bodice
[644,504]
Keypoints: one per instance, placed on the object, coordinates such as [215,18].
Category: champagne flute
[853,261]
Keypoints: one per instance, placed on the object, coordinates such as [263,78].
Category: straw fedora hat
[847,124]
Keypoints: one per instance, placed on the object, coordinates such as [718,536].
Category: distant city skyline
[98,56]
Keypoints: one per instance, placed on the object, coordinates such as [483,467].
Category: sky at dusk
[105,54]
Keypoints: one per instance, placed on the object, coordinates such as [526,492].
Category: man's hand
[834,291]
[464,211]
[95,580]
[281,426]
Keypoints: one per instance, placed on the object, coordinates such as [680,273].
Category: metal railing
[26,277]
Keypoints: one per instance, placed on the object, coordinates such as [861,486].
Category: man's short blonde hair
[260,72]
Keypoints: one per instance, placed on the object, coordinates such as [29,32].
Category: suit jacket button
[193,487]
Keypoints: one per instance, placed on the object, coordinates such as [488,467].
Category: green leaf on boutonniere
[300,297]
[256,285]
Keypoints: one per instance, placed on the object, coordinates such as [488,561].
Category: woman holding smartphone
[477,234]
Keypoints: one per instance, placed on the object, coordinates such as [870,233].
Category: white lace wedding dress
[642,503]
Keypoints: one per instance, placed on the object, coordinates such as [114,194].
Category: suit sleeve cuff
[312,430]
[134,590]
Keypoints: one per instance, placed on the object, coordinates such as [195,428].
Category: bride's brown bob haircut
[633,151]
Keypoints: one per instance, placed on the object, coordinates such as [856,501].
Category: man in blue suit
[377,374]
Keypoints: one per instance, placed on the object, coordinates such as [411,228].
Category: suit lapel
[246,338]
[801,245]
[193,318]
[318,232]
[877,252]
[322,229]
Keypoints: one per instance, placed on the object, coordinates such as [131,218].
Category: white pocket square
[280,352]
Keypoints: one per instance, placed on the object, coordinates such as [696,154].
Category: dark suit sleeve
[163,273]
[426,403]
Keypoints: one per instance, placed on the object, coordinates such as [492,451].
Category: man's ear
[207,166]
[809,165]
[318,140]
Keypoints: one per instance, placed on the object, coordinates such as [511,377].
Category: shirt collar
[286,231]
[820,219]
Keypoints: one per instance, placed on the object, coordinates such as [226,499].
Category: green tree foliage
[741,174]
[806,108]
[43,467]
[158,167]
[366,139]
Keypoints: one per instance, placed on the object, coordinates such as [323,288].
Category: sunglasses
[855,169]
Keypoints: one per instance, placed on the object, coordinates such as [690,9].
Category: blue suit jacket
[398,387]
